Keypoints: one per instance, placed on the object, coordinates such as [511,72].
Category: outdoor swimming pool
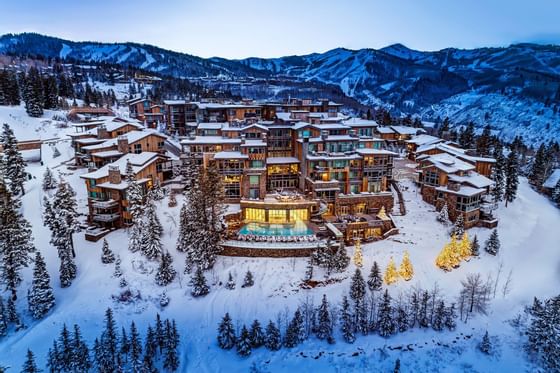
[264,229]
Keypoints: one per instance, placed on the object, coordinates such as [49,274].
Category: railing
[104,204]
[105,217]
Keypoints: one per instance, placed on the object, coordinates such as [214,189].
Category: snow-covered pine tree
[49,181]
[385,321]
[150,348]
[538,169]
[458,227]
[33,93]
[3,319]
[443,216]
[512,177]
[124,344]
[107,255]
[186,227]
[498,173]
[156,192]
[16,244]
[406,271]
[14,165]
[52,358]
[347,324]
[324,325]
[450,316]
[492,245]
[401,319]
[81,361]
[64,343]
[12,314]
[108,344]
[308,270]
[40,297]
[230,284]
[30,366]
[439,317]
[256,334]
[295,332]
[273,340]
[475,247]
[135,348]
[375,281]
[134,193]
[485,345]
[423,317]
[164,300]
[118,271]
[357,286]
[243,345]
[151,233]
[199,286]
[340,259]
[248,281]
[226,333]
[166,273]
[556,194]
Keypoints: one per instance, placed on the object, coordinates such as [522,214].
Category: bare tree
[507,285]
[500,269]
[473,296]
[308,312]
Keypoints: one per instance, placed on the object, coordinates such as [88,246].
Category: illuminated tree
[391,274]
[406,271]
[464,247]
[358,257]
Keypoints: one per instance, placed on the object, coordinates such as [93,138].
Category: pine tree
[309,270]
[81,361]
[347,325]
[248,281]
[458,227]
[151,233]
[256,334]
[385,319]
[391,275]
[52,358]
[475,247]
[40,297]
[150,348]
[273,340]
[401,320]
[124,344]
[65,349]
[358,257]
[3,319]
[199,286]
[243,344]
[117,272]
[485,345]
[30,366]
[450,317]
[49,181]
[423,319]
[498,173]
[443,216]
[230,284]
[295,332]
[166,273]
[226,333]
[108,344]
[157,193]
[324,327]
[13,161]
[538,169]
[492,245]
[33,93]
[439,317]
[357,286]
[375,281]
[107,256]
[16,244]
[397,366]
[135,348]
[512,177]
[406,271]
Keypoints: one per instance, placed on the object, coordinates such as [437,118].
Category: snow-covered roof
[332,126]
[406,130]
[370,151]
[285,116]
[466,191]
[249,142]
[105,144]
[174,102]
[447,163]
[359,122]
[107,154]
[230,155]
[205,140]
[333,157]
[385,130]
[281,160]
[472,178]
[255,125]
[90,140]
[138,161]
[424,140]
[209,126]
[553,179]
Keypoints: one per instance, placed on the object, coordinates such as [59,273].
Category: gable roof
[553,179]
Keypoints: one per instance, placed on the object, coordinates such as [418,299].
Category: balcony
[98,204]
[105,218]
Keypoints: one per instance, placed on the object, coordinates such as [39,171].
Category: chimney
[114,175]
[102,132]
[122,144]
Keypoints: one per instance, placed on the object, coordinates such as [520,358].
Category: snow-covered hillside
[529,250]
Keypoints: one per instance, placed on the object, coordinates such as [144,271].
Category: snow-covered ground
[529,237]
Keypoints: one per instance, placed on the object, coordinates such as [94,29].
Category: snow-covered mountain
[519,83]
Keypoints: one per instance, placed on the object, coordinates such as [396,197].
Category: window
[92,183]
[254,193]
[256,164]
[254,180]
[467,203]
[137,148]
[431,178]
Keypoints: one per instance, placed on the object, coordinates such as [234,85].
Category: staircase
[402,207]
